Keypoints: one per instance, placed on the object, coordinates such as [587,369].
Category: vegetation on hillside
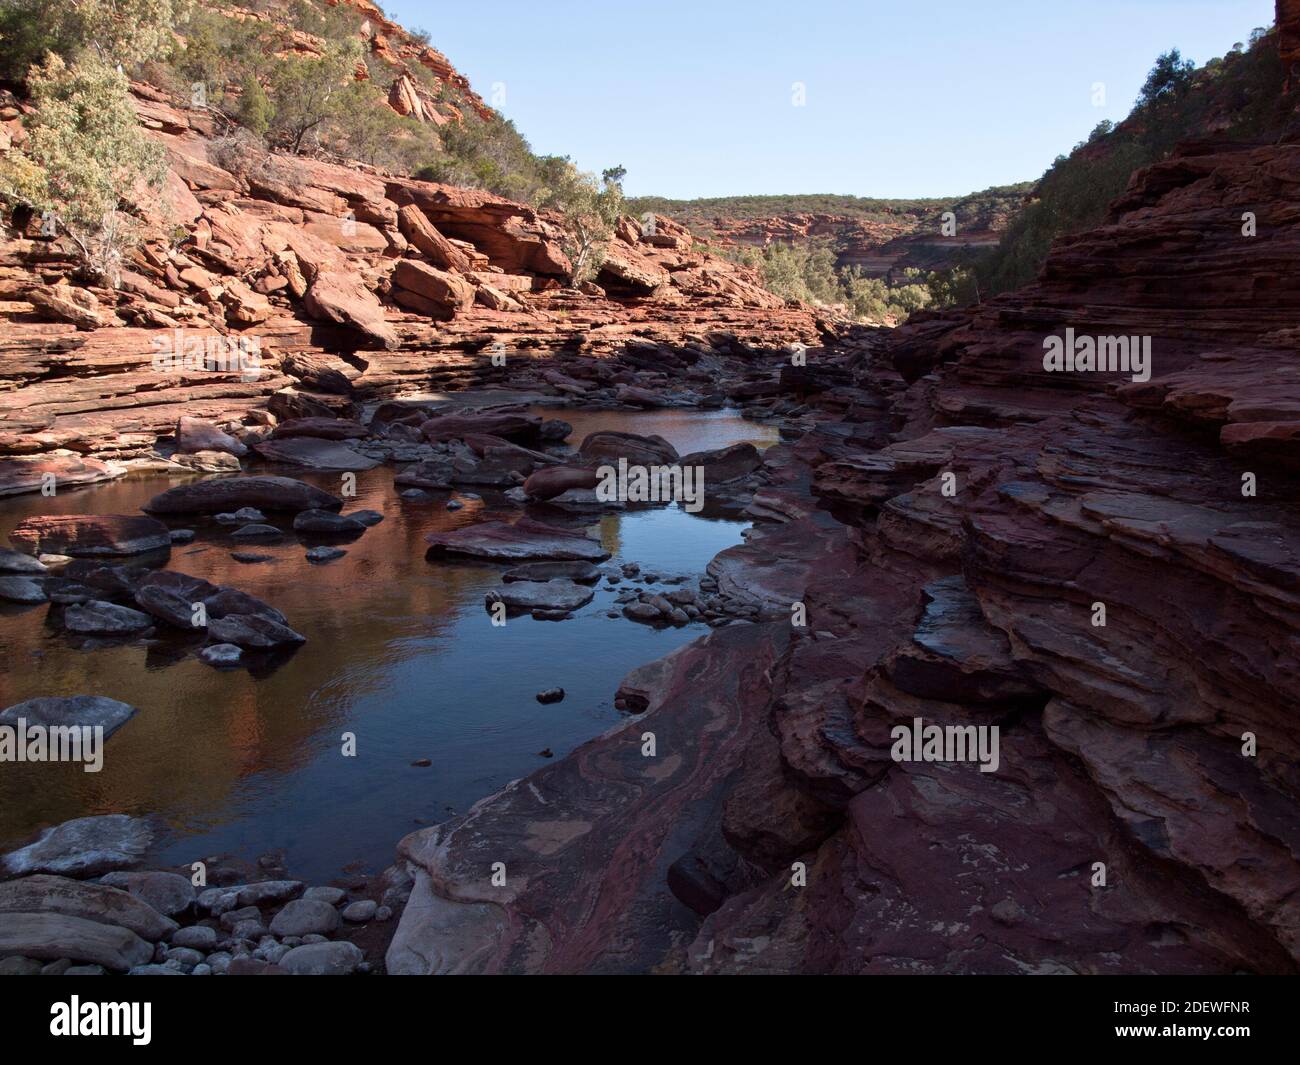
[987,209]
[85,153]
[808,272]
[275,91]
[1238,96]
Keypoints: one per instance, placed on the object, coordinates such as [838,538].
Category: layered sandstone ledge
[1163,744]
[346,285]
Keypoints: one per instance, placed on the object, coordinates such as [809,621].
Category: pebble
[550,695]
[182,536]
[257,532]
[331,895]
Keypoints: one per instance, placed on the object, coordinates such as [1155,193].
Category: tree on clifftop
[589,208]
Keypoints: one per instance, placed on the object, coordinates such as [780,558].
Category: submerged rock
[582,572]
[525,540]
[560,596]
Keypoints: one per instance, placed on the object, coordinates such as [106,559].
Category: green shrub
[84,153]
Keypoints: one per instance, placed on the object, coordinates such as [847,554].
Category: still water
[400,652]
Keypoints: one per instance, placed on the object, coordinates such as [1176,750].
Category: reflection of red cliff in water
[200,730]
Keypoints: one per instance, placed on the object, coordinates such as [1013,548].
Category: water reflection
[399,652]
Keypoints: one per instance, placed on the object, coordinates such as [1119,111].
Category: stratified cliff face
[1105,569]
[345,284]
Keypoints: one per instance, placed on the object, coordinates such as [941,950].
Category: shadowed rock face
[1076,559]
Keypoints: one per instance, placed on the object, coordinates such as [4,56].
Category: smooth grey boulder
[55,936]
[323,959]
[360,911]
[84,846]
[267,891]
[168,893]
[304,917]
[92,902]
[71,710]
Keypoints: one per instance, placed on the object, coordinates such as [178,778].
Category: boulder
[323,959]
[314,453]
[326,523]
[417,228]
[52,936]
[98,618]
[172,596]
[582,572]
[516,428]
[725,464]
[303,917]
[525,540]
[608,446]
[168,893]
[12,561]
[231,493]
[92,902]
[196,434]
[558,595]
[84,846]
[322,428]
[436,292]
[554,480]
[344,299]
[87,711]
[21,590]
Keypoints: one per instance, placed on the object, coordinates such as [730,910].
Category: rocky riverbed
[111,590]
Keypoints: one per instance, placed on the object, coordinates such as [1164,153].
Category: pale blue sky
[903,98]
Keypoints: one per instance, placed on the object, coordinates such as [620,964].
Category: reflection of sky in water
[399,651]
